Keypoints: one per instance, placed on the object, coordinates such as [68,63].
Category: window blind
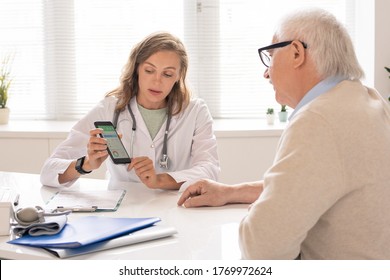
[68,53]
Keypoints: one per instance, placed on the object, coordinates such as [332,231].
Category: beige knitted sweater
[327,195]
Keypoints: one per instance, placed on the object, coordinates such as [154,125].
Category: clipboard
[86,201]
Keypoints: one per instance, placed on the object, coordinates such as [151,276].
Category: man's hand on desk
[211,193]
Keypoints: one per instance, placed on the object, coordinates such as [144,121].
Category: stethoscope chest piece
[164,161]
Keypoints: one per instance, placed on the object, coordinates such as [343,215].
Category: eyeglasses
[266,59]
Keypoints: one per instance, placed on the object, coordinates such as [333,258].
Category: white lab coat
[192,146]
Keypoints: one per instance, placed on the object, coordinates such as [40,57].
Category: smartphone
[115,147]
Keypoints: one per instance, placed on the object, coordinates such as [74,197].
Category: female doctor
[168,135]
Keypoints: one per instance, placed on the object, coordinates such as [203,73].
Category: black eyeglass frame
[274,46]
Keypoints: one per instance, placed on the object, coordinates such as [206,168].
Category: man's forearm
[245,192]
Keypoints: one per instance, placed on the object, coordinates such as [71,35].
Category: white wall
[373,42]
[245,159]
[382,46]
[244,155]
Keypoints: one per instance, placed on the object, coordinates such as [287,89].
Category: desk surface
[203,233]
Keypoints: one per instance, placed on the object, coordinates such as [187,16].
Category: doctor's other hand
[205,193]
[144,168]
[96,150]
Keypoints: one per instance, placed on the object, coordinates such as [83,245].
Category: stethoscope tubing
[164,159]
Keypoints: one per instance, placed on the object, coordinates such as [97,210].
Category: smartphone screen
[115,146]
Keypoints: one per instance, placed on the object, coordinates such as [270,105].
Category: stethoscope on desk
[164,158]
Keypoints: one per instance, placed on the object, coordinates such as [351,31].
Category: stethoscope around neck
[164,158]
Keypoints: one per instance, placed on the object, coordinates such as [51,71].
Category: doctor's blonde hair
[179,97]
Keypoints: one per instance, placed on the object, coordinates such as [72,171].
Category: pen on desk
[76,209]
[16,201]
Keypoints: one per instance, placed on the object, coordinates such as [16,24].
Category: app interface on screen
[113,142]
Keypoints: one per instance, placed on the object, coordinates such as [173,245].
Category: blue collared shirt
[317,90]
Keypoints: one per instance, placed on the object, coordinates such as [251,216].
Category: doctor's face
[156,77]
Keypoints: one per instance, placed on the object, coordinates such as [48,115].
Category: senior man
[327,194]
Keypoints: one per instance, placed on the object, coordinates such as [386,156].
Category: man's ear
[299,53]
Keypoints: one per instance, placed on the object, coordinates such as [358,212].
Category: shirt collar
[317,90]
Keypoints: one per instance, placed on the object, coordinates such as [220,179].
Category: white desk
[203,233]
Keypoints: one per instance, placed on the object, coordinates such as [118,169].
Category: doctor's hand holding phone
[143,166]
[115,147]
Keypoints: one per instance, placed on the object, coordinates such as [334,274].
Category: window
[68,54]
